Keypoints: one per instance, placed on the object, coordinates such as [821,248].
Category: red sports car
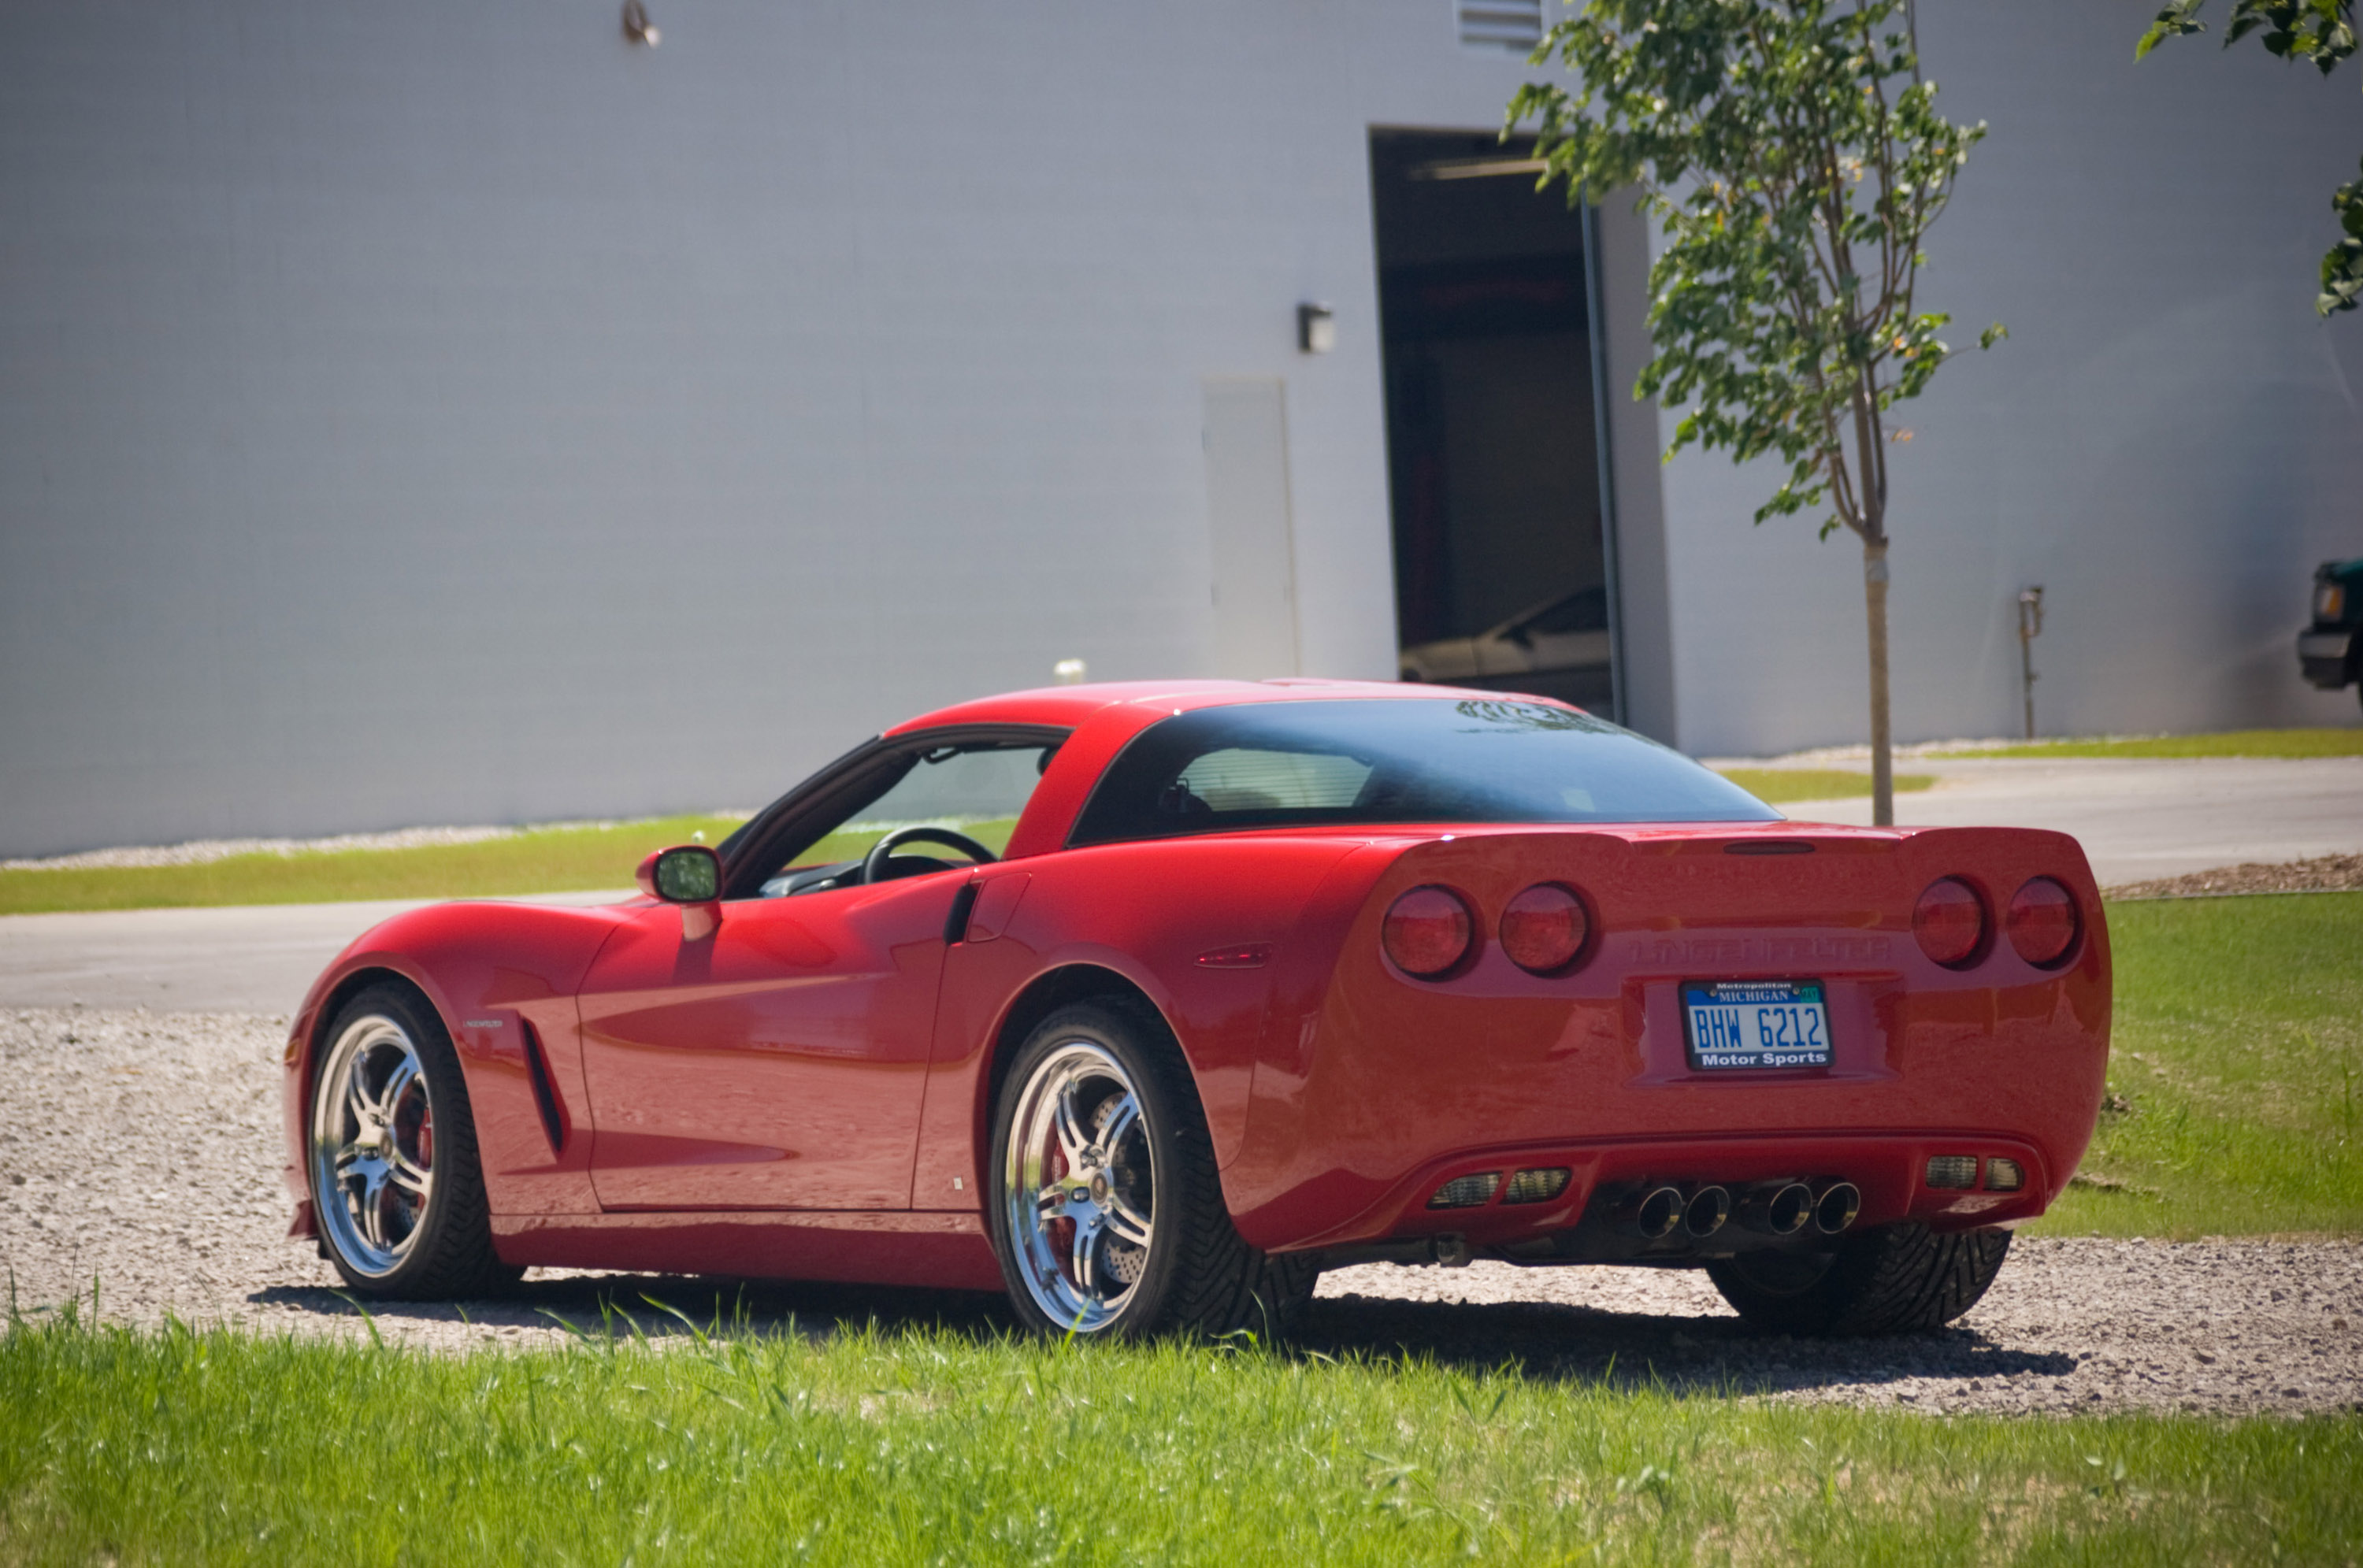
[1148,1001]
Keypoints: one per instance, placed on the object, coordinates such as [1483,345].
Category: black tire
[1893,1279]
[1198,1275]
[445,1248]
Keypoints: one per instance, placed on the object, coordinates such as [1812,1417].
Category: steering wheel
[883,850]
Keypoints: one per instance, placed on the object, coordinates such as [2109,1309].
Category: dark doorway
[1503,573]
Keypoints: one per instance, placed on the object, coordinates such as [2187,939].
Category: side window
[976,791]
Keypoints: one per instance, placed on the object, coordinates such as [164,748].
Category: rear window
[1415,760]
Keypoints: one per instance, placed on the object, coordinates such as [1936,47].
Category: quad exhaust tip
[1772,1208]
[1709,1208]
[1778,1208]
[1658,1213]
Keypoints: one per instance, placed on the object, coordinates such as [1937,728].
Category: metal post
[2030,626]
[1603,439]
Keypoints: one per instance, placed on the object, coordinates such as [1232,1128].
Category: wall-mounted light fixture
[1317,329]
[637,27]
[1068,671]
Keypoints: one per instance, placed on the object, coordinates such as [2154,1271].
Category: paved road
[235,960]
[2136,819]
[2140,819]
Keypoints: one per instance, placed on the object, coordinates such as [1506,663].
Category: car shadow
[1562,1343]
[1544,1342]
[665,1305]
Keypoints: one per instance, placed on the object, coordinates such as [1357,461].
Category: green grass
[2237,1059]
[2229,743]
[930,1445]
[549,860]
[1780,786]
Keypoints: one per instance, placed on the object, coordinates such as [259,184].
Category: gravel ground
[141,1151]
[2323,873]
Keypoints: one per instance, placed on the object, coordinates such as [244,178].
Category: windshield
[1415,760]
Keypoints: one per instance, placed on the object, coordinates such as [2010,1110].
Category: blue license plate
[1755,1023]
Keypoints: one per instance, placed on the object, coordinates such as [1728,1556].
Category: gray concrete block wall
[443,413]
[449,413]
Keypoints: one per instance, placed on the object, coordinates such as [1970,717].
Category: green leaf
[1793,166]
[2178,20]
[2324,32]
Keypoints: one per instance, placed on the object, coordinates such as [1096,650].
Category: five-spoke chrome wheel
[1079,1186]
[373,1145]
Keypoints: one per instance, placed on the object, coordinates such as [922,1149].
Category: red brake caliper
[1060,1230]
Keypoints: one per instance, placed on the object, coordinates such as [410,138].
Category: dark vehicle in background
[2330,651]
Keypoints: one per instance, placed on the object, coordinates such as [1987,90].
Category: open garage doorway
[1504,575]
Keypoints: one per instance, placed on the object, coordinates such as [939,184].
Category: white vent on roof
[1500,24]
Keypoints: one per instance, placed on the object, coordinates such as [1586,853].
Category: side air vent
[545,1094]
[1514,24]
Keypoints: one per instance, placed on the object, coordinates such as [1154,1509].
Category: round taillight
[1428,932]
[2042,921]
[1543,928]
[1950,921]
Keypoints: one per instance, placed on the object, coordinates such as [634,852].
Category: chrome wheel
[1079,1186]
[372,1145]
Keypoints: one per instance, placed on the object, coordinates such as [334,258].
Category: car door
[777,1063]
[777,1058]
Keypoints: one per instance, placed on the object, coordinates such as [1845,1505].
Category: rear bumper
[1384,1085]
[2321,657]
[1891,1169]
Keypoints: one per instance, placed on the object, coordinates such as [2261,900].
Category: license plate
[1757,1024]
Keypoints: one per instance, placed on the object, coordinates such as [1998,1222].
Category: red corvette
[1146,1002]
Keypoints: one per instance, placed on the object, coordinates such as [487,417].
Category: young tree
[2324,32]
[1794,159]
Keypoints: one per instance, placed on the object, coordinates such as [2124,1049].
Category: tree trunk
[1883,758]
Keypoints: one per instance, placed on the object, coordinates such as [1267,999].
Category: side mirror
[686,874]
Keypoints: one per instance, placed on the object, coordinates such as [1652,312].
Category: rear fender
[1202,928]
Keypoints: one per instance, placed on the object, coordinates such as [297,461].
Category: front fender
[503,978]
